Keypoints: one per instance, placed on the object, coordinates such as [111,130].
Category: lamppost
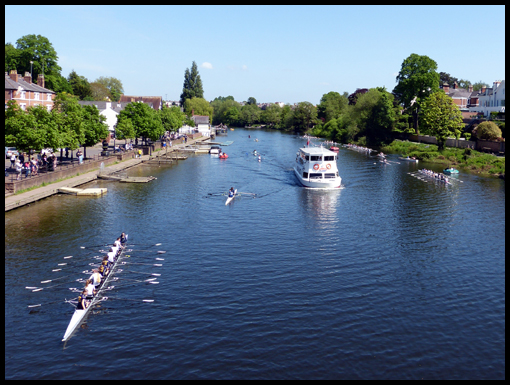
[31,62]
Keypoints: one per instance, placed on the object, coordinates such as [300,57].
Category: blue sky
[273,53]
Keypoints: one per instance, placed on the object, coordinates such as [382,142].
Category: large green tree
[417,79]
[331,106]
[198,106]
[442,117]
[171,118]
[94,126]
[80,85]
[302,117]
[192,87]
[145,120]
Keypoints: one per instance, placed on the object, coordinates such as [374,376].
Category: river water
[389,277]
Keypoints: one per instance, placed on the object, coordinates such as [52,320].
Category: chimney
[28,77]
[446,88]
[470,88]
[495,85]
[483,89]
[455,86]
[14,75]
[40,80]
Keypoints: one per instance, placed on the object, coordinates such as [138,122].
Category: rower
[106,264]
[89,287]
[231,192]
[82,300]
[119,244]
[95,278]
[111,256]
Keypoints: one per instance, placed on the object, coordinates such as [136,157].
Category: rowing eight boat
[79,314]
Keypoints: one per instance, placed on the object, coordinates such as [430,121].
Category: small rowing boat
[230,199]
[79,314]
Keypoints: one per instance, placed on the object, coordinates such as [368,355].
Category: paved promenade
[19,200]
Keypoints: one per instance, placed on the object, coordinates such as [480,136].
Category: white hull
[319,183]
[230,199]
[79,314]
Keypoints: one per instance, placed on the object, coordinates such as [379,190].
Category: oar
[137,256]
[44,304]
[49,287]
[137,280]
[145,244]
[137,263]
[130,299]
[140,272]
[152,251]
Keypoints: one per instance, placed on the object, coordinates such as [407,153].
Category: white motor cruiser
[316,168]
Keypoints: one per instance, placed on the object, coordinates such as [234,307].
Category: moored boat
[316,168]
[215,150]
[79,314]
[223,156]
[333,148]
[450,171]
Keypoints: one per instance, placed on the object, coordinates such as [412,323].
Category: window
[22,95]
[329,176]
[329,158]
[315,158]
[307,158]
[305,175]
[23,106]
[315,175]
[36,95]
[48,96]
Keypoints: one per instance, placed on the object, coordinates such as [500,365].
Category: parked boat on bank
[450,171]
[316,168]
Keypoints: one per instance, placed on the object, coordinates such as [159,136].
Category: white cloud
[206,65]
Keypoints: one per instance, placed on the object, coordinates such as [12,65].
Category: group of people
[436,175]
[30,165]
[99,275]
[359,148]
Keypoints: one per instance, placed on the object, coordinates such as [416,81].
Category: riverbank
[469,159]
[44,190]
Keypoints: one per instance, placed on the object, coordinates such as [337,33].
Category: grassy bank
[467,159]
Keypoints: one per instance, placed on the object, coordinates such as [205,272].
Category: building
[490,99]
[25,93]
[110,110]
[155,102]
[460,96]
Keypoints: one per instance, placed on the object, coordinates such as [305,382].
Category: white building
[491,99]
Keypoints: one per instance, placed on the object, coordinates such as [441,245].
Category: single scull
[230,199]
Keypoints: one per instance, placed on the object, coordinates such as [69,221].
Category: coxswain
[95,278]
[123,238]
[82,300]
[231,192]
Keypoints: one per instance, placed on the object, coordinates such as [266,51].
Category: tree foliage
[442,117]
[113,85]
[172,118]
[331,106]
[192,87]
[417,79]
[488,130]
[198,106]
[145,120]
[80,85]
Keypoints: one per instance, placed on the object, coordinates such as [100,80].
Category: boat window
[329,175]
[315,158]
[307,158]
[315,175]
[328,157]
[305,175]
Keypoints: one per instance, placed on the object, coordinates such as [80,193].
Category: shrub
[488,130]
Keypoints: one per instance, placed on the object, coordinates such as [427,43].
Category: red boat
[334,148]
[223,156]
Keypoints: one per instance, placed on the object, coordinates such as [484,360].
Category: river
[389,277]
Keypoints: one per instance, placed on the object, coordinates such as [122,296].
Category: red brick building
[25,93]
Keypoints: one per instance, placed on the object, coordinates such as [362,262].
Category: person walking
[13,160]
[19,168]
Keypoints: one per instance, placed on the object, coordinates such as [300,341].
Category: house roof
[200,119]
[12,85]
[153,101]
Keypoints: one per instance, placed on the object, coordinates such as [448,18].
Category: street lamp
[31,62]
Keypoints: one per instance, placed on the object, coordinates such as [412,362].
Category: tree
[416,80]
[272,115]
[446,78]
[331,106]
[488,130]
[11,57]
[192,87]
[80,85]
[302,117]
[124,129]
[94,127]
[146,121]
[354,96]
[100,92]
[252,100]
[198,106]
[68,115]
[442,117]
[479,85]
[113,85]
[249,114]
[171,118]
